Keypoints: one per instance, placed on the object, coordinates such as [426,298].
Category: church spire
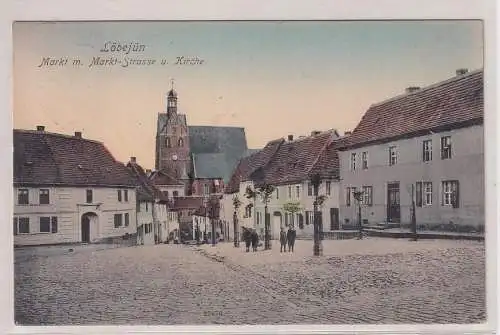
[172,99]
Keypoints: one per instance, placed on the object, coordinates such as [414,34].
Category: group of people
[251,239]
[287,238]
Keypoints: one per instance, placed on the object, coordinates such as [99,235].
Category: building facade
[425,146]
[69,189]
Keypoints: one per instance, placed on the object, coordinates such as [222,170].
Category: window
[24,226]
[125,195]
[206,189]
[427,199]
[328,187]
[23,196]
[126,220]
[450,193]
[118,220]
[119,195]
[167,142]
[309,189]
[309,217]
[348,196]
[89,196]
[15,226]
[393,157]
[353,161]
[368,195]
[446,147]
[44,197]
[44,224]
[364,160]
[180,142]
[427,150]
[277,193]
[297,191]
[175,193]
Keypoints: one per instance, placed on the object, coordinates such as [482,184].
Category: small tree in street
[266,191]
[251,194]
[292,208]
[358,195]
[236,205]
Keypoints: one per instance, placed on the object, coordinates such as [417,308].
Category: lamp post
[318,247]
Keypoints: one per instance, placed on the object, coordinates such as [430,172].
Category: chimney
[461,72]
[78,134]
[132,159]
[290,138]
[412,89]
[40,128]
[347,133]
[315,133]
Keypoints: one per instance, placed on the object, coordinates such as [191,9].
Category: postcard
[174,173]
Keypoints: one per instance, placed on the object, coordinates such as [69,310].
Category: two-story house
[156,221]
[290,171]
[170,186]
[429,140]
[68,189]
[288,166]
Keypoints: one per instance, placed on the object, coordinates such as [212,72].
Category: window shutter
[455,195]
[418,194]
[54,224]
[15,226]
[423,151]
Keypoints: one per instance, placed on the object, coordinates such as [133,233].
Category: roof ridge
[29,131]
[429,87]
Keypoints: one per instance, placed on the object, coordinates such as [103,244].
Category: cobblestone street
[370,281]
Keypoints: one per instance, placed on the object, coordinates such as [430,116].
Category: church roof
[216,150]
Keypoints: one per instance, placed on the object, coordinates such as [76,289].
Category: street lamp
[318,247]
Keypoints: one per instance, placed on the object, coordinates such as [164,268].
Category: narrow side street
[174,284]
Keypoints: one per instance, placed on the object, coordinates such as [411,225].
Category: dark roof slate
[211,166]
[44,158]
[163,178]
[146,190]
[446,105]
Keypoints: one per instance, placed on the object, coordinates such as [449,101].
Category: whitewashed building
[170,186]
[431,138]
[68,189]
[156,221]
[289,166]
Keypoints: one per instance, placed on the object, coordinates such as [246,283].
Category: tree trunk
[236,230]
[267,237]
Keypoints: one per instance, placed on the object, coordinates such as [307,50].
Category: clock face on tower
[174,157]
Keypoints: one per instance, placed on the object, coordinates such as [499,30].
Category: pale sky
[272,78]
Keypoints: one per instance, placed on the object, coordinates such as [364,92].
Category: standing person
[255,240]
[283,240]
[293,236]
[247,238]
[289,238]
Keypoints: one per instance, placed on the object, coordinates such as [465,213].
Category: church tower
[172,140]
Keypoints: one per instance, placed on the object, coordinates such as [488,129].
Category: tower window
[167,142]
[181,142]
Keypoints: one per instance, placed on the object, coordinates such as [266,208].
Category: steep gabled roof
[247,165]
[294,160]
[450,104]
[44,158]
[146,190]
[188,202]
[161,177]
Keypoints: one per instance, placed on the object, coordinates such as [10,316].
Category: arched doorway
[87,224]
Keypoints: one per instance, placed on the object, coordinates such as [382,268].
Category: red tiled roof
[163,178]
[294,161]
[327,165]
[247,165]
[450,104]
[188,202]
[43,158]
